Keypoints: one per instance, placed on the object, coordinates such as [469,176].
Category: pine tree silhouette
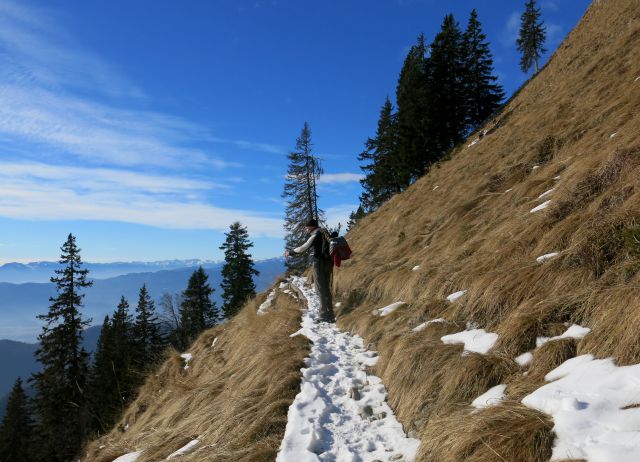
[63,420]
[238,270]
[301,195]
[16,430]
[197,311]
[531,37]
[482,94]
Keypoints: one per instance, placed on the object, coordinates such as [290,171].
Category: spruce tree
[122,347]
[102,390]
[301,196]
[413,153]
[482,94]
[354,217]
[383,172]
[446,75]
[197,311]
[238,270]
[147,338]
[112,380]
[16,430]
[531,37]
[60,401]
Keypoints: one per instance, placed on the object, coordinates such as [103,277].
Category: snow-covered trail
[340,413]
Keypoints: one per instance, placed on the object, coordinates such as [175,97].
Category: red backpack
[339,250]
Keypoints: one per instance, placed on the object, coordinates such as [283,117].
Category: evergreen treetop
[446,69]
[354,217]
[531,37]
[197,311]
[301,195]
[413,97]
[60,400]
[482,94]
[16,430]
[382,172]
[238,271]
[146,334]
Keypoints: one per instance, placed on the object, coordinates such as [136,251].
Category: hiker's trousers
[322,270]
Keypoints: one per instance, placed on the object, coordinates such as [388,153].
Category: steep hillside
[519,253]
[556,172]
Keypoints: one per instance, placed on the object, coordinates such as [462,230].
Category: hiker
[322,266]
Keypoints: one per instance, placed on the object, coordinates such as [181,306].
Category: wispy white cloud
[43,53]
[150,200]
[264,147]
[336,178]
[99,179]
[77,141]
[67,100]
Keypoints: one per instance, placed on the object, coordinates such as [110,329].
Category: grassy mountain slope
[233,397]
[468,226]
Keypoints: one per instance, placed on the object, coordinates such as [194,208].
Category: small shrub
[597,182]
[401,237]
[354,299]
[546,149]
[631,240]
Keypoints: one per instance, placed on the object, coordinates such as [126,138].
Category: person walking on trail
[318,247]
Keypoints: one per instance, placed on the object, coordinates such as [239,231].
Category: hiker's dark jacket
[313,244]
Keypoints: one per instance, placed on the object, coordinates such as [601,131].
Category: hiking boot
[326,317]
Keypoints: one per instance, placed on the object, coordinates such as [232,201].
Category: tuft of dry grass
[508,432]
[234,397]
[549,356]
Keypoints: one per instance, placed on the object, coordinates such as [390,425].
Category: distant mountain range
[41,271]
[21,302]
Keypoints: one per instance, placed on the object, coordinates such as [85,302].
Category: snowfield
[340,413]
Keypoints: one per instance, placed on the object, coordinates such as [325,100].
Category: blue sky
[147,127]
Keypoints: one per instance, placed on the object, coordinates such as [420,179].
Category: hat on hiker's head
[312,223]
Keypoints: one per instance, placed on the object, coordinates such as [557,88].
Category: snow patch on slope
[592,405]
[187,358]
[491,397]
[456,295]
[131,457]
[575,331]
[542,206]
[546,256]
[424,325]
[186,449]
[475,340]
[264,306]
[524,359]
[389,309]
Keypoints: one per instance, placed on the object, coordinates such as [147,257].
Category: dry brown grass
[509,432]
[470,233]
[234,397]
